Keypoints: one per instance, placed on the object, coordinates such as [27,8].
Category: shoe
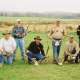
[60,64]
[36,63]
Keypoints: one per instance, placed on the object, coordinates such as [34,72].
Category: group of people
[35,52]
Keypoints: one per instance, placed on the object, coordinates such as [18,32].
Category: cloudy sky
[40,5]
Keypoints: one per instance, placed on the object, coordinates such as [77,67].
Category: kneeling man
[72,50]
[7,47]
[35,51]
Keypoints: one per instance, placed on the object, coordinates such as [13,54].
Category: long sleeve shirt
[18,32]
[70,46]
[8,45]
[34,48]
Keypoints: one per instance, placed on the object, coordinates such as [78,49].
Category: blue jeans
[56,50]
[1,58]
[9,59]
[30,55]
[20,44]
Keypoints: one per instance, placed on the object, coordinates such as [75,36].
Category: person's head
[37,39]
[58,23]
[18,21]
[71,39]
[6,35]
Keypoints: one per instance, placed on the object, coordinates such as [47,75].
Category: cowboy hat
[37,37]
[6,32]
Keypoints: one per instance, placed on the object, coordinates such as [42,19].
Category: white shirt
[8,45]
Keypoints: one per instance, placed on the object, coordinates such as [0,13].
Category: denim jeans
[9,59]
[1,58]
[20,44]
[56,50]
[30,55]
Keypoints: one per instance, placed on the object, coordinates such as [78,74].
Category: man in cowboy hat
[35,50]
[72,50]
[7,47]
[19,32]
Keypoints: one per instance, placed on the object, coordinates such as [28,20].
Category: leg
[39,56]
[77,58]
[55,56]
[14,54]
[29,54]
[1,58]
[58,50]
[21,46]
[65,57]
[10,59]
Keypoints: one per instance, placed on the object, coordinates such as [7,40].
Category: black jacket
[34,48]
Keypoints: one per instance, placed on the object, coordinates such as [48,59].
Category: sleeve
[1,45]
[66,48]
[42,50]
[30,46]
[51,33]
[77,49]
[64,31]
[78,31]
[13,43]
[24,31]
[13,31]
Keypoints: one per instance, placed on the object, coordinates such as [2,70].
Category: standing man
[35,50]
[56,34]
[72,50]
[78,33]
[19,33]
[7,48]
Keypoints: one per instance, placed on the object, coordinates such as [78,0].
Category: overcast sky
[40,5]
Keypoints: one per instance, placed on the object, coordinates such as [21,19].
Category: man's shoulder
[75,42]
[14,27]
[67,43]
[41,44]
[32,42]
[2,39]
[12,38]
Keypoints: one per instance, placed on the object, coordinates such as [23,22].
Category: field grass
[36,19]
[49,71]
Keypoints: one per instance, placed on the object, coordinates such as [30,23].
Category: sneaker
[60,64]
[36,63]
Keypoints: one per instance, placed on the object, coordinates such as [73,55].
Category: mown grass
[49,71]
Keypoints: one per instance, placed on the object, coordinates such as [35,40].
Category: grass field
[49,71]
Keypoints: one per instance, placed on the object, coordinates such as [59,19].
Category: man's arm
[13,44]
[14,31]
[24,31]
[77,49]
[42,50]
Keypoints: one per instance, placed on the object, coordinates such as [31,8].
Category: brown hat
[38,38]
[6,32]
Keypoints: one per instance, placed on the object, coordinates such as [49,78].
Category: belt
[56,39]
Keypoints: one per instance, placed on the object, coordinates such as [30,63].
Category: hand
[1,50]
[18,34]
